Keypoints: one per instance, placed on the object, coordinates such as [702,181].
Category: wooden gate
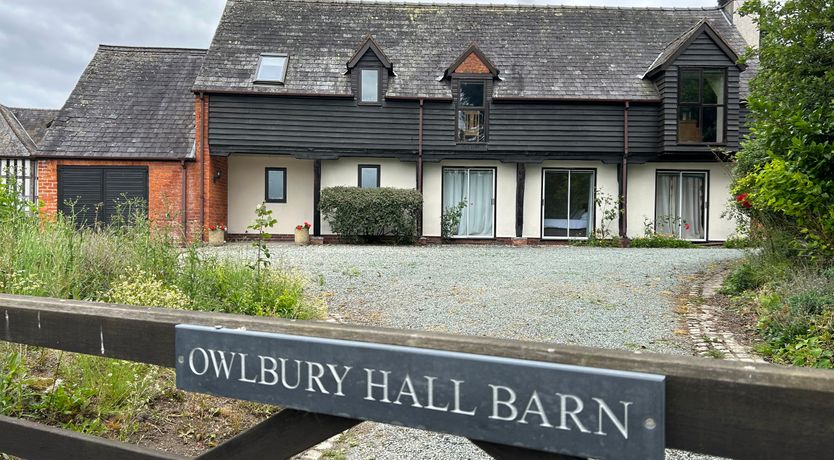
[730,409]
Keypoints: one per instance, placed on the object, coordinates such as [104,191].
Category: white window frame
[680,173]
[494,172]
[260,63]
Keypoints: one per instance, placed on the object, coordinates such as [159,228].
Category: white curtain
[666,204]
[692,206]
[476,187]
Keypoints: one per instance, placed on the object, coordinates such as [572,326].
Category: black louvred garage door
[91,193]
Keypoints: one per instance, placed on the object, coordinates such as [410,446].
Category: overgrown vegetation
[654,239]
[132,261]
[363,215]
[784,184]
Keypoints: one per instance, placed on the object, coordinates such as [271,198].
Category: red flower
[299,227]
[212,227]
[686,226]
[307,224]
[742,200]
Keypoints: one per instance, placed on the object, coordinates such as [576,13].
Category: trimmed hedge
[364,215]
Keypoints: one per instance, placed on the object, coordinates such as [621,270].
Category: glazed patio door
[567,203]
[475,187]
[680,204]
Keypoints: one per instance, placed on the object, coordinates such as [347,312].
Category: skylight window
[272,68]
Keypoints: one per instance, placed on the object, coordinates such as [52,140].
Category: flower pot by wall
[302,237]
[216,237]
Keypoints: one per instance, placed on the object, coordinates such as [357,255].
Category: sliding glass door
[680,204]
[567,203]
[476,188]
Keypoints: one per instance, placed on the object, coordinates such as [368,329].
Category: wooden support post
[283,435]
[520,177]
[316,197]
[502,452]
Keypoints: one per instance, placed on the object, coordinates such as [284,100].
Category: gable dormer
[697,76]
[472,75]
[370,69]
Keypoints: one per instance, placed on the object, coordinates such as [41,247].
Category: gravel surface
[602,297]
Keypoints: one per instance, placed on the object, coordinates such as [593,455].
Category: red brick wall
[472,64]
[216,171]
[164,188]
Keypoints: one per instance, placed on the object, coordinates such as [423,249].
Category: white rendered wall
[641,196]
[246,191]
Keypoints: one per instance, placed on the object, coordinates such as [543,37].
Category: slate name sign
[551,407]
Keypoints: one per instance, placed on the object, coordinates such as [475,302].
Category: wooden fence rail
[731,409]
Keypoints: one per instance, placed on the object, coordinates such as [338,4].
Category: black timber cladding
[93,193]
[703,52]
[330,127]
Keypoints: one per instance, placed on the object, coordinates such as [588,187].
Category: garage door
[92,193]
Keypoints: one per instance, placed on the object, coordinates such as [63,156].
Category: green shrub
[739,242]
[743,277]
[367,214]
[599,242]
[138,287]
[657,240]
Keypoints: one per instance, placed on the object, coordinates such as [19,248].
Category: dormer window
[272,68]
[471,107]
[702,99]
[370,85]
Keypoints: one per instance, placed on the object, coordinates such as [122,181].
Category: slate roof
[130,103]
[21,129]
[541,51]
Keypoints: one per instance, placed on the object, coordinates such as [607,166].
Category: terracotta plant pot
[216,237]
[302,237]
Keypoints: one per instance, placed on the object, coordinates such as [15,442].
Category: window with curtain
[471,104]
[701,105]
[680,204]
[568,203]
[475,187]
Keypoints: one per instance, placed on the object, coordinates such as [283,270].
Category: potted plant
[302,234]
[216,235]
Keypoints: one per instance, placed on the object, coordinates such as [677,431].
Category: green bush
[657,240]
[368,214]
[743,277]
[738,242]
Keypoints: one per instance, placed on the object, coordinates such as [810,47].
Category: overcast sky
[45,44]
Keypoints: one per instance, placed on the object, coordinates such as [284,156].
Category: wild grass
[130,261]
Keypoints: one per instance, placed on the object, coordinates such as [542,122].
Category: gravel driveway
[602,297]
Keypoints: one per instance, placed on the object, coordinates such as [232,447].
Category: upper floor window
[471,107]
[369,86]
[702,103]
[272,68]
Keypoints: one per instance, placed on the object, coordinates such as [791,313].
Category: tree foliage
[787,168]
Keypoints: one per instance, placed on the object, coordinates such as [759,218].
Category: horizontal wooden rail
[26,439]
[715,407]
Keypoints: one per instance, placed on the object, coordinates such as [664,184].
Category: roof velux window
[272,68]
